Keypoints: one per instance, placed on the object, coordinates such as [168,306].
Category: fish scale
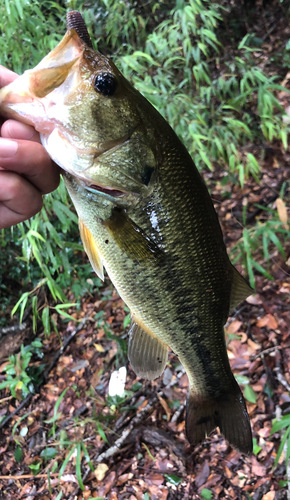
[146,216]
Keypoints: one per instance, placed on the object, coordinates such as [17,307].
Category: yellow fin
[91,250]
[147,355]
[131,238]
[240,289]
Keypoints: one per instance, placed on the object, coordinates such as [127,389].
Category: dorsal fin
[147,355]
[240,289]
[91,250]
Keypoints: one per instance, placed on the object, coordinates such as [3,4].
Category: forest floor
[72,440]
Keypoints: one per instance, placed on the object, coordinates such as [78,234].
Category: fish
[146,216]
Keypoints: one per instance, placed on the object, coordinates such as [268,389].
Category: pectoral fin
[147,355]
[131,238]
[91,250]
[240,289]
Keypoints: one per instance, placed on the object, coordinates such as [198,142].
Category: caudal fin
[229,413]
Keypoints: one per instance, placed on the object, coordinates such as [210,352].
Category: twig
[46,373]
[177,414]
[11,415]
[28,476]
[14,328]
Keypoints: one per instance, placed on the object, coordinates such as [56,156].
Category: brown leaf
[202,475]
[124,478]
[267,320]
[100,471]
[234,326]
[257,468]
[282,212]
[254,300]
[165,407]
[269,496]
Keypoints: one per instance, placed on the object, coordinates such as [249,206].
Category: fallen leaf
[257,468]
[100,471]
[269,496]
[124,478]
[234,326]
[202,475]
[282,212]
[165,407]
[254,300]
[267,320]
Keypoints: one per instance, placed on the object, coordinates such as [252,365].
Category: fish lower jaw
[98,188]
[115,193]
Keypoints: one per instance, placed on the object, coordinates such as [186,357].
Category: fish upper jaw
[25,98]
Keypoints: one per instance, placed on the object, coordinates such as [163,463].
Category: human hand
[26,170]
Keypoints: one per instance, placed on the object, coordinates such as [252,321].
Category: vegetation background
[218,72]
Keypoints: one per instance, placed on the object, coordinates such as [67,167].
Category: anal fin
[147,355]
[91,250]
[240,289]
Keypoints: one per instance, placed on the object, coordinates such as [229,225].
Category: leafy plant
[283,425]
[22,379]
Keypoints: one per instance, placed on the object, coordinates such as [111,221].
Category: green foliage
[249,393]
[22,379]
[206,494]
[282,425]
[218,103]
[261,238]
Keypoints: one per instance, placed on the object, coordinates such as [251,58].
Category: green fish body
[147,217]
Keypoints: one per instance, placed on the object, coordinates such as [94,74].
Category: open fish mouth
[115,193]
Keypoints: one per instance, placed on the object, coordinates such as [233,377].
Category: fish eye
[106,84]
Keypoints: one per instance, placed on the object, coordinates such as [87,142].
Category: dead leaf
[269,496]
[234,326]
[124,478]
[100,471]
[268,321]
[254,300]
[202,475]
[165,407]
[282,212]
[257,468]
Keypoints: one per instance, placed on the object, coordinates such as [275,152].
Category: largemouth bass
[146,215]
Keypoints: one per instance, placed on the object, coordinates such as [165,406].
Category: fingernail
[7,148]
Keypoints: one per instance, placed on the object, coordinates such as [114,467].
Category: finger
[19,200]
[13,129]
[31,160]
[6,76]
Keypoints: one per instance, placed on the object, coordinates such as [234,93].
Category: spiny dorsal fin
[240,289]
[147,355]
[91,250]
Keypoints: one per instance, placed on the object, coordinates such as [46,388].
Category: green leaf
[48,454]
[35,467]
[173,479]
[206,494]
[256,447]
[250,394]
[46,320]
[101,432]
[18,454]
[242,379]
[78,467]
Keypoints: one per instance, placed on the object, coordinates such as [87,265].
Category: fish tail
[228,412]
